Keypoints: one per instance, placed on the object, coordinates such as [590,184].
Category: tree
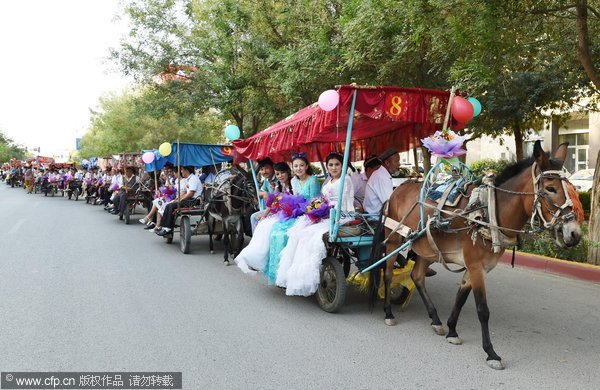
[8,149]
[124,124]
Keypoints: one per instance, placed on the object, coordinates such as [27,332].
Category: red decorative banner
[395,105]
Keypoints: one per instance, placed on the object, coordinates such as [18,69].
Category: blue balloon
[232,132]
[476,106]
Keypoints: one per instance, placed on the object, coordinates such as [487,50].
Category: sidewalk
[581,271]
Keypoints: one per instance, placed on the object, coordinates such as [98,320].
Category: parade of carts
[323,234]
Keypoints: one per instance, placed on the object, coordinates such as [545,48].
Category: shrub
[586,202]
[544,244]
[479,167]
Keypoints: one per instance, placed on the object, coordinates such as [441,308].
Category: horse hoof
[391,321]
[212,252]
[495,364]
[439,330]
[454,340]
[226,263]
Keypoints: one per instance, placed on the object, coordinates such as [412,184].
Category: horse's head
[556,206]
[243,190]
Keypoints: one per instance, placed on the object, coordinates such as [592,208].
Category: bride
[299,265]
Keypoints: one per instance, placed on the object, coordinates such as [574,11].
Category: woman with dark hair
[300,264]
[283,174]
[305,183]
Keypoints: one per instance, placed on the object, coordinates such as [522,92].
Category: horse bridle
[561,215]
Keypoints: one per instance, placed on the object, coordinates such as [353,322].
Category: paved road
[83,292]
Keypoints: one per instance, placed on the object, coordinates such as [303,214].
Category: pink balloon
[462,109]
[329,100]
[148,157]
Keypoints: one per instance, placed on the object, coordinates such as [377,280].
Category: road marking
[17,225]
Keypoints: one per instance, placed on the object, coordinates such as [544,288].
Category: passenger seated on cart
[380,187]
[267,186]
[191,198]
[113,190]
[359,181]
[163,198]
[209,172]
[129,189]
[301,258]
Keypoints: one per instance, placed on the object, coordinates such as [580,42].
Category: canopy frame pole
[155,181]
[261,204]
[178,176]
[338,208]
[447,118]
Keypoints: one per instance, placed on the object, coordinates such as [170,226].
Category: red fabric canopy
[383,117]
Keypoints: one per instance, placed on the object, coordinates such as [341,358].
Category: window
[577,134]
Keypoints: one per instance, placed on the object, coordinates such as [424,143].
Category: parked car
[583,180]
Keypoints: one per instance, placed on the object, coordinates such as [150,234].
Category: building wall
[594,138]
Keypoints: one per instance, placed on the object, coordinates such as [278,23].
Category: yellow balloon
[164,149]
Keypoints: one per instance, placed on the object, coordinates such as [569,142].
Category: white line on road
[17,225]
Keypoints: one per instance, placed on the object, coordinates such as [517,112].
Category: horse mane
[516,168]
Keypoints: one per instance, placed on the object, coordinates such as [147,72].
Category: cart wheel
[185,235]
[127,215]
[331,293]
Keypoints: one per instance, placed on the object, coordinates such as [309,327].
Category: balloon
[476,106]
[329,100]
[148,157]
[84,162]
[165,149]
[232,132]
[462,110]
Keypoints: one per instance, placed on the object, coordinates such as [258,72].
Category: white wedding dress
[254,257]
[299,267]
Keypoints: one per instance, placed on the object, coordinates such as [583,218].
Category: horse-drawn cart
[225,194]
[367,121]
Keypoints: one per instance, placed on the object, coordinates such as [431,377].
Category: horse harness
[481,214]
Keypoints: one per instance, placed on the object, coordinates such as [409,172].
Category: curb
[580,271]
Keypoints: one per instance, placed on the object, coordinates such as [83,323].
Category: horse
[534,189]
[228,201]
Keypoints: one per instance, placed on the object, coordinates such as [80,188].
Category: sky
[54,65]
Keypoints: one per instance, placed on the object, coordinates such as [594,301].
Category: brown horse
[531,190]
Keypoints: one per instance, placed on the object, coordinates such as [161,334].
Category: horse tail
[376,251]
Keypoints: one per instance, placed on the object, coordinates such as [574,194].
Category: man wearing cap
[379,187]
[359,181]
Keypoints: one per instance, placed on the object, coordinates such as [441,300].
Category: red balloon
[462,109]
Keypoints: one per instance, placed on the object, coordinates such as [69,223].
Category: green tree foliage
[123,124]
[8,149]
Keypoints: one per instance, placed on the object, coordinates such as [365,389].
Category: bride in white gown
[299,267]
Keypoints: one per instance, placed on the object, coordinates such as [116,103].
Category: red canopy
[383,117]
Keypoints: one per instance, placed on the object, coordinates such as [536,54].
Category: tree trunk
[583,43]
[518,140]
[426,159]
[416,158]
[594,224]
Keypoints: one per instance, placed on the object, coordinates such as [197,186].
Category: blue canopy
[196,155]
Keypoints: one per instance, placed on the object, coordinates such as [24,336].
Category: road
[83,292]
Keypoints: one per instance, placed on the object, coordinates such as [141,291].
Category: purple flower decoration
[291,206]
[114,187]
[168,193]
[445,144]
[317,209]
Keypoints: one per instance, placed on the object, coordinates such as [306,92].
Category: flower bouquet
[274,202]
[291,206]
[100,182]
[445,144]
[168,193]
[88,182]
[114,187]
[317,209]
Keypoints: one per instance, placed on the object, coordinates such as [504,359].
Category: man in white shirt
[379,187]
[192,197]
[359,181]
